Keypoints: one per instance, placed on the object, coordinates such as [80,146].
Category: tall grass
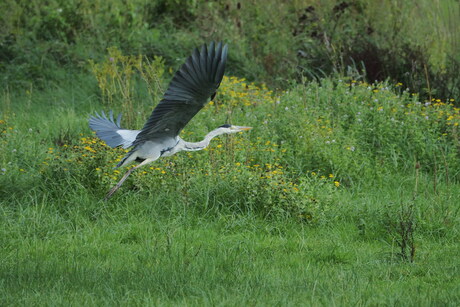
[301,209]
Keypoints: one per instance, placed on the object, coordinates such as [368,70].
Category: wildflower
[336,183]
[352,148]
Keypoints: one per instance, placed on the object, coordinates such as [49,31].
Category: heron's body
[187,94]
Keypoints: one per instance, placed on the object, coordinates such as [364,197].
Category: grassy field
[344,193]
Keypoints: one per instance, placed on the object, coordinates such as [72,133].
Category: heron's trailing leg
[118,185]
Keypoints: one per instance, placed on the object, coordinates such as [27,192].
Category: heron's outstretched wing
[192,85]
[110,131]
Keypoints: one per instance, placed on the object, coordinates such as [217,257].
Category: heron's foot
[118,185]
[111,192]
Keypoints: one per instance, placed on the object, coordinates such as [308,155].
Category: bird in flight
[193,84]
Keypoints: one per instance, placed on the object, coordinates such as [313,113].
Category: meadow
[345,192]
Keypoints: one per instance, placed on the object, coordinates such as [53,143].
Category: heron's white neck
[191,146]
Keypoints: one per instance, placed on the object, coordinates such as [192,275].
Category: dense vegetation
[413,42]
[345,192]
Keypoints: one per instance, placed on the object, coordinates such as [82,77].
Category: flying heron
[190,89]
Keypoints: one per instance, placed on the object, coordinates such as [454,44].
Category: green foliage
[308,143]
[315,204]
[412,42]
[303,208]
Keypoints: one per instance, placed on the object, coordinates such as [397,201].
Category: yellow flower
[89,148]
[336,183]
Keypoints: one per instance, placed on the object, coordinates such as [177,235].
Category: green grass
[249,221]
[136,251]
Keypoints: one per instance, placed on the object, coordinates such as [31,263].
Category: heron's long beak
[244,128]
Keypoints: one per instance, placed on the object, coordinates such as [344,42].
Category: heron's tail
[110,131]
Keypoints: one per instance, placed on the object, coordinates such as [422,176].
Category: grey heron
[190,89]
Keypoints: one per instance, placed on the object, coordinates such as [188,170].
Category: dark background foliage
[412,42]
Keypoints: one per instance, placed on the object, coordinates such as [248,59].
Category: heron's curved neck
[191,146]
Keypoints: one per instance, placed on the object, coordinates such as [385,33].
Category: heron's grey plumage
[189,91]
[110,131]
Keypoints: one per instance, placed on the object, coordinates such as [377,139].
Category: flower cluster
[237,92]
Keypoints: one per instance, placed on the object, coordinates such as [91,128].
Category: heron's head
[232,129]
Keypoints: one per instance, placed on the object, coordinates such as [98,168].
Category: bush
[308,143]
